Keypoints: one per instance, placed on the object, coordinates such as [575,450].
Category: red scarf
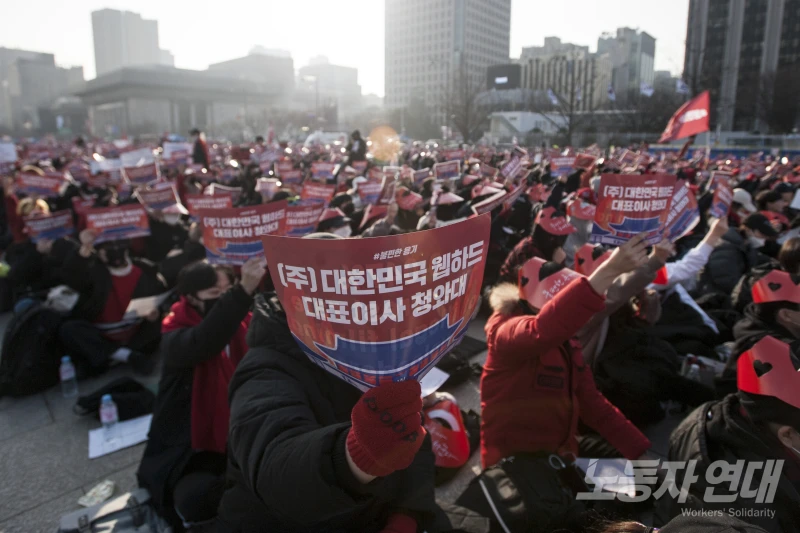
[210,410]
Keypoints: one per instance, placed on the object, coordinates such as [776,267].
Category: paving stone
[49,461]
[45,517]
[18,415]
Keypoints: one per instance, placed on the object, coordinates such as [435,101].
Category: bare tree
[459,100]
[573,100]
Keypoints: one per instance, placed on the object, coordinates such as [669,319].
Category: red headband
[588,258]
[536,290]
[554,222]
[777,286]
[766,369]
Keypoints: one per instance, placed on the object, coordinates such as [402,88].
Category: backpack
[31,352]
[528,492]
[129,513]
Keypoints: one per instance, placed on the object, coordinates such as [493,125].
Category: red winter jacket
[535,386]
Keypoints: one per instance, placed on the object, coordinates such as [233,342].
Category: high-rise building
[632,56]
[747,54]
[320,83]
[432,43]
[552,47]
[28,81]
[577,79]
[124,39]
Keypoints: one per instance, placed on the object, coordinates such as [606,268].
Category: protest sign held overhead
[421,175]
[381,310]
[142,175]
[215,189]
[388,187]
[317,191]
[52,226]
[723,196]
[684,214]
[322,171]
[232,236]
[196,202]
[161,199]
[176,152]
[47,185]
[118,222]
[561,166]
[370,191]
[302,218]
[8,156]
[630,204]
[450,169]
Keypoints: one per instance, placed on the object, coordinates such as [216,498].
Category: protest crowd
[292,297]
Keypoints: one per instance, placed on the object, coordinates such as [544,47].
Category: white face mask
[344,231]
[756,243]
[121,271]
[172,219]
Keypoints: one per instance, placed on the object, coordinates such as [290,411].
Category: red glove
[387,428]
[400,523]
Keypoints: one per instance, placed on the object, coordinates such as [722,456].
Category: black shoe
[143,364]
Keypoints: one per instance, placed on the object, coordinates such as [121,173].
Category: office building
[124,39]
[273,71]
[321,83]
[431,43]
[30,81]
[155,99]
[578,79]
[747,54]
[632,55]
[552,46]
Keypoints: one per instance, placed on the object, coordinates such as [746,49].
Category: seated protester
[788,261]
[167,232]
[410,209]
[546,242]
[444,208]
[380,227]
[775,312]
[535,386]
[203,341]
[107,280]
[593,334]
[191,250]
[26,267]
[758,424]
[308,451]
[580,214]
[741,207]
[335,222]
[736,255]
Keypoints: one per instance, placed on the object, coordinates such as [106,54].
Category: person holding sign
[550,232]
[736,255]
[103,330]
[535,386]
[203,341]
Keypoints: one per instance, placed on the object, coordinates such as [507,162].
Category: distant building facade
[431,43]
[632,55]
[324,84]
[124,39]
[274,72]
[747,54]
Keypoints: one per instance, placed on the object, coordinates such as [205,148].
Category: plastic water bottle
[69,382]
[694,372]
[109,417]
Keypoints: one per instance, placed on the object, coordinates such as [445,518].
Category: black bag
[132,398]
[528,493]
[31,352]
[129,513]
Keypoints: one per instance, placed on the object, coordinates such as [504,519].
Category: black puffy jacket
[718,431]
[287,469]
[729,261]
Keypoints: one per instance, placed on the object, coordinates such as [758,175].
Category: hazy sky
[349,32]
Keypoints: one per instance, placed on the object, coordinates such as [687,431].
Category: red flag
[692,118]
